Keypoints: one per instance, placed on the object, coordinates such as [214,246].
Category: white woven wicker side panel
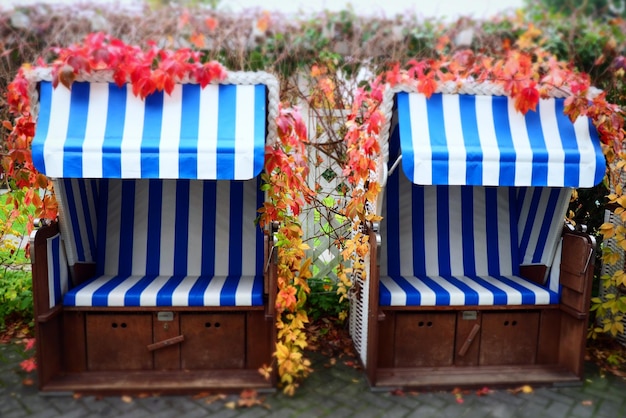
[359,307]
[611,269]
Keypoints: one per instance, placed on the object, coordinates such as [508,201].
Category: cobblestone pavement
[333,391]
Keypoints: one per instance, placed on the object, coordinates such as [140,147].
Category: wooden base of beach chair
[172,351]
[478,347]
[434,347]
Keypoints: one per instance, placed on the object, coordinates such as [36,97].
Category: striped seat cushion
[462,291]
[168,291]
[453,246]
[176,243]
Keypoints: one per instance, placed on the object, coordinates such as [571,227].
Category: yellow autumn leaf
[610,257]
[607,230]
[527,389]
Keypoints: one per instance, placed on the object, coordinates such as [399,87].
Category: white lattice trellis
[322,222]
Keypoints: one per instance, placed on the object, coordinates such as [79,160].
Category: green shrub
[16,296]
[323,301]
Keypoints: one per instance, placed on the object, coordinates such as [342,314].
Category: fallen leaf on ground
[250,398]
[28,382]
[484,391]
[587,403]
[127,399]
[397,392]
[211,399]
[522,389]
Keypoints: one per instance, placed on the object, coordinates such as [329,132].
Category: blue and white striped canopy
[99,130]
[456,139]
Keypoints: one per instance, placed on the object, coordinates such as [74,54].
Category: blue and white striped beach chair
[156,274]
[473,282]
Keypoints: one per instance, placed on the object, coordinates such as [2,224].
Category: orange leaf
[67,76]
[263,23]
[211,23]
[197,39]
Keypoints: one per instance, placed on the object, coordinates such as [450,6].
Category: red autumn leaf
[528,99]
[484,391]
[211,23]
[101,59]
[376,121]
[119,77]
[29,365]
[78,63]
[427,86]
[29,344]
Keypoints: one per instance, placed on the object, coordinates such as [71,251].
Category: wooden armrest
[374,233]
[270,272]
[51,314]
[573,312]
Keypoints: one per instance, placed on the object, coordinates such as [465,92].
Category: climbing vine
[286,168]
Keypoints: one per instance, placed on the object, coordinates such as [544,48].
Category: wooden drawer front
[119,341]
[509,338]
[425,339]
[213,341]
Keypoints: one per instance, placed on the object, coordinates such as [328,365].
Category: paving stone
[558,409]
[583,411]
[339,391]
[605,394]
[424,411]
[606,407]
[502,411]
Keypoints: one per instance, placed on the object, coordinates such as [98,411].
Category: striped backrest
[78,201]
[448,230]
[179,228]
[541,213]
